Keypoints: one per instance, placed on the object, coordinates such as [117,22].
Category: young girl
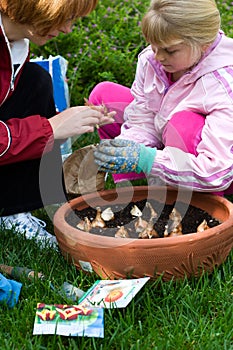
[31,131]
[178,125]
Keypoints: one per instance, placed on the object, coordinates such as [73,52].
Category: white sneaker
[29,225]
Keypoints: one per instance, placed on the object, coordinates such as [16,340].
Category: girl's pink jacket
[20,139]
[208,90]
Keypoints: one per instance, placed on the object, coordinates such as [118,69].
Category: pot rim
[62,225]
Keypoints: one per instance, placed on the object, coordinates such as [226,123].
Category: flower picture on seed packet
[68,320]
[112,293]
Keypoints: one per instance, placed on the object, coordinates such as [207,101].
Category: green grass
[186,314]
[191,314]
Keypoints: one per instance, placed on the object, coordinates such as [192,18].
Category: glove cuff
[146,159]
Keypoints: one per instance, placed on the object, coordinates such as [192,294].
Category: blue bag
[57,67]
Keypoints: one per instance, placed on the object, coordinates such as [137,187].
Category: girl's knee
[184,130]
[100,92]
[109,92]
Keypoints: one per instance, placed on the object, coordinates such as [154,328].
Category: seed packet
[112,293]
[69,320]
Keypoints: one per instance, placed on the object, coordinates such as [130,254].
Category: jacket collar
[17,49]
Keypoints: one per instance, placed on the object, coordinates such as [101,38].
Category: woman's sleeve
[23,139]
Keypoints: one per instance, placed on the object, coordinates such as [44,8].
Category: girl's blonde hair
[45,15]
[195,22]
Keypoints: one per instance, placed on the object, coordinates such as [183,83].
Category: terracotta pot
[172,257]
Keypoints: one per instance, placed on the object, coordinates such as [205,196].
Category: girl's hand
[124,156]
[78,120]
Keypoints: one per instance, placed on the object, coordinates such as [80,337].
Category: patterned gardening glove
[124,156]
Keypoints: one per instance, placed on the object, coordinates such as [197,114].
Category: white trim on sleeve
[9,138]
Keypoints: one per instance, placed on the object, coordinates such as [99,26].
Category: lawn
[187,314]
[195,314]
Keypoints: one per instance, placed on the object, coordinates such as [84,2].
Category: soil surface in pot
[191,216]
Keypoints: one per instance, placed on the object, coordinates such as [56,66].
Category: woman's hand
[78,120]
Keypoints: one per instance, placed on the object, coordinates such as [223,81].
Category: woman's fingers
[77,120]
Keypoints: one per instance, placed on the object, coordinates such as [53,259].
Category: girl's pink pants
[177,132]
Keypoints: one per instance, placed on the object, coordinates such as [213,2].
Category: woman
[31,131]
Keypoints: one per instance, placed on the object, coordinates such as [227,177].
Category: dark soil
[192,217]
